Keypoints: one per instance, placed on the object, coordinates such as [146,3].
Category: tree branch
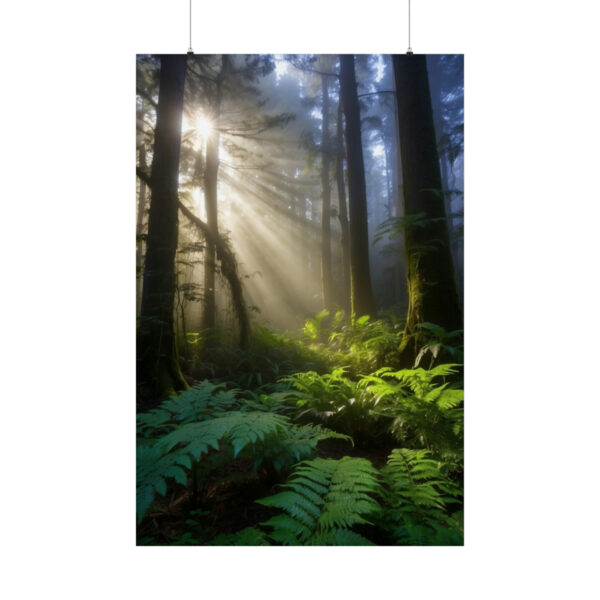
[144,177]
[146,96]
[228,269]
[375,93]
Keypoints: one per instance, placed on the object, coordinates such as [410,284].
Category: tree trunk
[139,255]
[430,272]
[326,275]
[361,292]
[343,213]
[158,372]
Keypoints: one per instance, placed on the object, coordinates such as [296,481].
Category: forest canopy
[299,299]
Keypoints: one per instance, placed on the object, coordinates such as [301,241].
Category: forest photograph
[299,299]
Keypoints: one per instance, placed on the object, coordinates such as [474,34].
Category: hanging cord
[409,51]
[190,51]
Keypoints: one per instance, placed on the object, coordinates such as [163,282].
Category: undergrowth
[257,429]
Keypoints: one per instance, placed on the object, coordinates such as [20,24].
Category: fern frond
[240,428]
[152,469]
[203,401]
[339,537]
[250,536]
[297,443]
[418,499]
[324,500]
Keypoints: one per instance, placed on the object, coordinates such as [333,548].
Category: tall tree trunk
[343,213]
[430,271]
[210,195]
[399,268]
[158,370]
[326,275]
[362,294]
[139,255]
[434,77]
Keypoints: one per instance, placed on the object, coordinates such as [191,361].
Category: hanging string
[190,51]
[409,51]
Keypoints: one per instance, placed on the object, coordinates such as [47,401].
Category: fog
[265,115]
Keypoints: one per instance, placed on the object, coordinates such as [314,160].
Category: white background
[67,250]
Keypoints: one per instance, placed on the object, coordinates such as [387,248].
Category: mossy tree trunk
[158,372]
[430,272]
[361,291]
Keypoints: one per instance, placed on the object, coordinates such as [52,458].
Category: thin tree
[430,273]
[361,291]
[139,228]
[210,193]
[326,274]
[343,210]
[158,369]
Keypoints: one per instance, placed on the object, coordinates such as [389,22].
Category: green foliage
[265,437]
[439,342]
[203,401]
[240,428]
[250,536]
[269,357]
[417,497]
[269,411]
[314,327]
[323,501]
[424,413]
[277,398]
[298,442]
[410,403]
[361,345]
[152,469]
[337,401]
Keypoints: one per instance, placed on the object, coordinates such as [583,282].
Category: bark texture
[343,213]
[361,291]
[158,370]
[430,271]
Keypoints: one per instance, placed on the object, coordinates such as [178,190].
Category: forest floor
[258,415]
[228,501]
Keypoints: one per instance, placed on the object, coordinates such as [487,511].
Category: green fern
[152,470]
[423,413]
[299,442]
[250,536]
[418,381]
[203,401]
[323,500]
[240,428]
[418,498]
[262,436]
[281,401]
[339,402]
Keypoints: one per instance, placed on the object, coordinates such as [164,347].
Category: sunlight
[200,129]
[203,127]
